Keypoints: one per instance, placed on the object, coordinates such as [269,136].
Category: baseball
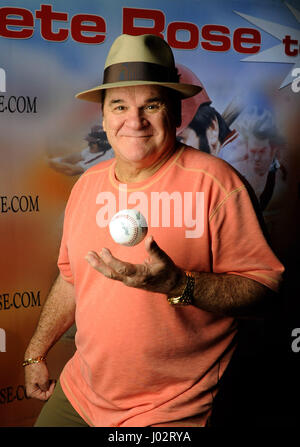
[128,227]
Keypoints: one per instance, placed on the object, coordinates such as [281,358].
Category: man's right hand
[37,381]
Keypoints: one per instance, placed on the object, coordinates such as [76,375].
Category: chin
[136,154]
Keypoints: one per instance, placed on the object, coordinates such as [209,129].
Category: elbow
[261,304]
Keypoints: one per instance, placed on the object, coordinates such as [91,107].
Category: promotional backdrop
[246,54]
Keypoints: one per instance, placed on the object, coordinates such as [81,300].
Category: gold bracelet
[187,296]
[38,359]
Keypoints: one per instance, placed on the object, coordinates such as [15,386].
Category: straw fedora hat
[140,60]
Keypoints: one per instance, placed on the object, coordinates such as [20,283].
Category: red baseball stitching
[135,227]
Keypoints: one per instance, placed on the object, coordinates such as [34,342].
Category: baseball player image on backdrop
[98,149]
[156,322]
[263,143]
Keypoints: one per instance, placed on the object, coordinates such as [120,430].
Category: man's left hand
[158,273]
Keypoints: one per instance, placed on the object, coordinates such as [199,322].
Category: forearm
[57,316]
[225,294]
[228,294]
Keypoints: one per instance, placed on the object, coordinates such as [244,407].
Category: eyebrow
[149,100]
[115,101]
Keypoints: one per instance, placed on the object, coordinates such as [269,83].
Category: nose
[135,119]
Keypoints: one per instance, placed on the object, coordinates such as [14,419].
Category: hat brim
[93,95]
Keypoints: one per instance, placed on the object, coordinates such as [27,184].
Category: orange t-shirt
[140,361]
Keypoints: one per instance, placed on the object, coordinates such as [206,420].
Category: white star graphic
[277,53]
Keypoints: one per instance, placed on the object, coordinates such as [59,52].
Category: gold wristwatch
[187,296]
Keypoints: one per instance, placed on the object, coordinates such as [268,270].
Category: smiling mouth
[136,136]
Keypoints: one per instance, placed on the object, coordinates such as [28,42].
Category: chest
[178,221]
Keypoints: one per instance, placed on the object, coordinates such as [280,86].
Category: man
[262,168]
[76,164]
[215,135]
[156,323]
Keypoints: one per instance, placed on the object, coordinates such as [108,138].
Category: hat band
[139,71]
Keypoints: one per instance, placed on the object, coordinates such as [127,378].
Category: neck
[129,172]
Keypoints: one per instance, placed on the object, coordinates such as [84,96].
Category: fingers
[97,263]
[118,266]
[37,381]
[44,386]
[114,268]
[41,391]
[110,266]
[153,274]
[155,252]
[43,394]
[49,392]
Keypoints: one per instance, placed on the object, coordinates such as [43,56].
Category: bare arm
[57,316]
[226,294]
[66,168]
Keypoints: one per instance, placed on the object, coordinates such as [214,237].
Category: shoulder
[91,177]
[101,167]
[213,169]
[191,157]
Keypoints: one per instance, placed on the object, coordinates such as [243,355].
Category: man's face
[139,124]
[93,147]
[260,154]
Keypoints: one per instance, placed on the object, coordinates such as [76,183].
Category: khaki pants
[58,412]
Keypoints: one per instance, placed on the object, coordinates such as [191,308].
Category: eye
[153,107]
[119,108]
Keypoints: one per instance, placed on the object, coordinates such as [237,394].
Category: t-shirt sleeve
[63,257]
[238,243]
[64,263]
